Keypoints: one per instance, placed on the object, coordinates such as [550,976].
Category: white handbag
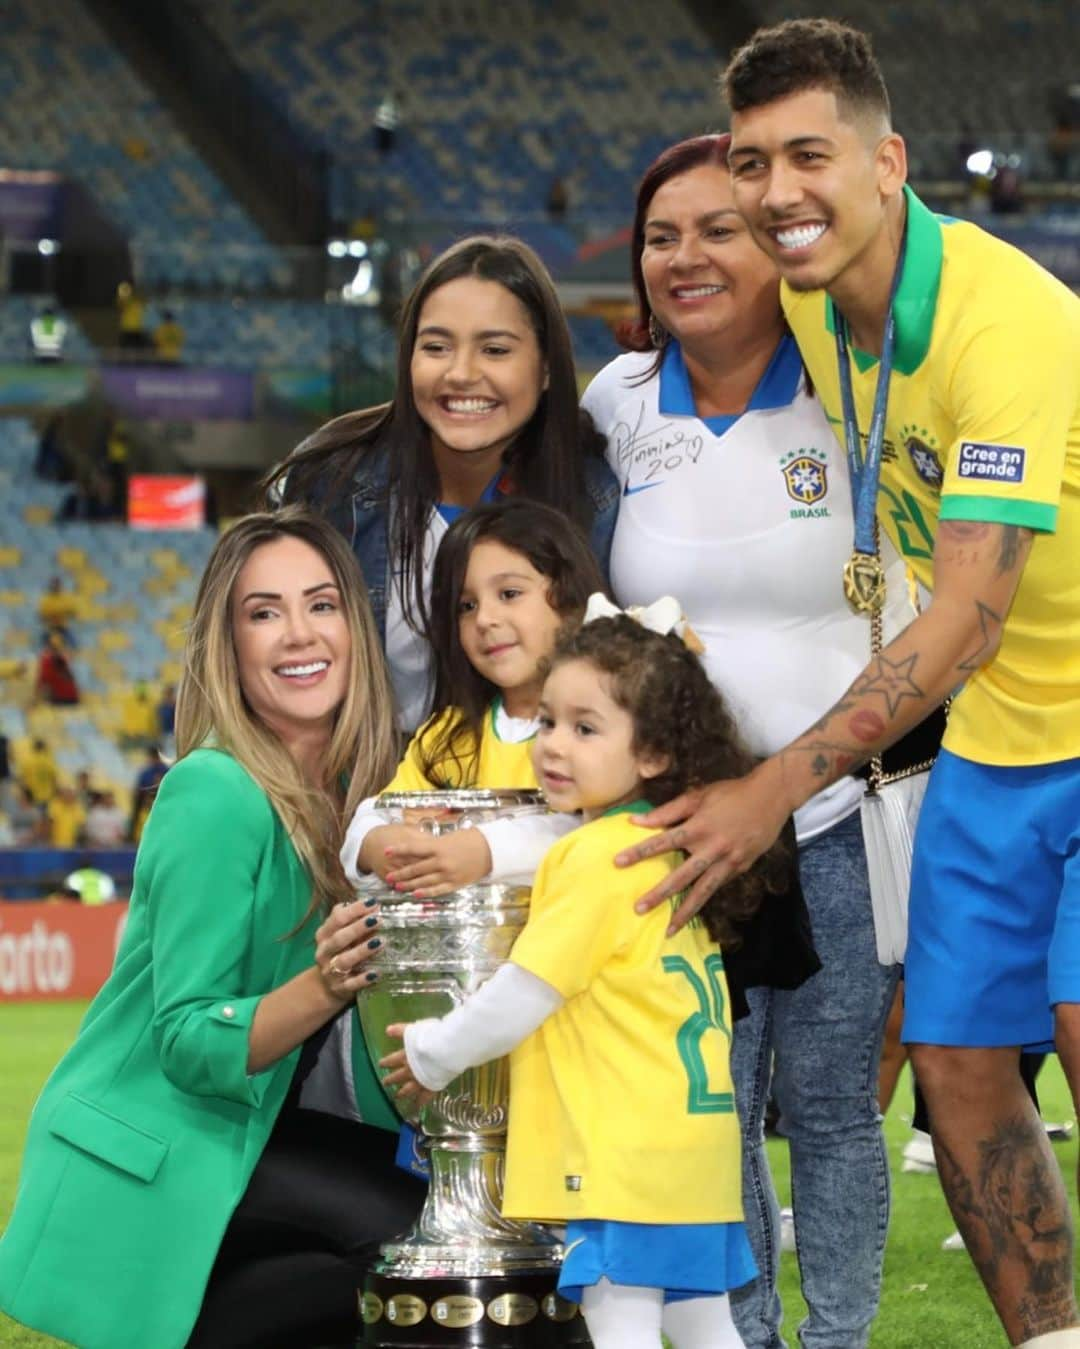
[889,812]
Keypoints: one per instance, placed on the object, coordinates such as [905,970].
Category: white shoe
[954,1243]
[787,1229]
[918,1155]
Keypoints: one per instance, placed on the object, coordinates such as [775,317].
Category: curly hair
[678,714]
[558,550]
[802,54]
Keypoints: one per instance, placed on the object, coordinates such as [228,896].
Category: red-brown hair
[670,163]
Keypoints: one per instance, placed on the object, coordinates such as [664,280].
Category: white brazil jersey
[747,521]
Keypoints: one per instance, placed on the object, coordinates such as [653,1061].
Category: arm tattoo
[894,680]
[963,531]
[1010,548]
[989,625]
[844,705]
[832,757]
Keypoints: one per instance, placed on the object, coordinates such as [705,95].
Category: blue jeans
[822,1044]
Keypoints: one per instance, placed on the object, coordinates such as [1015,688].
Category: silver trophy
[463,1274]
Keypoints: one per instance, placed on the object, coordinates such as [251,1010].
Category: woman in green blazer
[173,1188]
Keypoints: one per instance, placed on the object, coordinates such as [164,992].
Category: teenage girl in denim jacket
[486,407]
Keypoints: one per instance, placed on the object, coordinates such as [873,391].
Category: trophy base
[491,1311]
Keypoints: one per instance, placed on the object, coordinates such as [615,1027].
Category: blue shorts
[684,1259]
[994,924]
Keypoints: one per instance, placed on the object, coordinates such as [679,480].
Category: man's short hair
[803,54]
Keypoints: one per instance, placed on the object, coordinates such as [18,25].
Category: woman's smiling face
[291,639]
[703,272]
[477,369]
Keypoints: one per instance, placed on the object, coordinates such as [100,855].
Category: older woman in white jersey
[735,498]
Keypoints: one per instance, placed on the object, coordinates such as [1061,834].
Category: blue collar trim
[776,388]
[491,493]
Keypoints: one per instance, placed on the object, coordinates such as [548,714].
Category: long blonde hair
[211,711]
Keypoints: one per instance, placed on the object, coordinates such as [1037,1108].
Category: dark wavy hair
[802,54]
[545,462]
[670,163]
[678,714]
[558,549]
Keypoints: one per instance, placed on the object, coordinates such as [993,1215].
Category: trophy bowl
[463,1274]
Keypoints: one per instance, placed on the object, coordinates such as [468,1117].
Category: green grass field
[931,1300]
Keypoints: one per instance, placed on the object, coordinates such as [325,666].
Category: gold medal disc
[864,582]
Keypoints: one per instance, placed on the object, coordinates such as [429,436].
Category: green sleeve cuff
[206,1053]
[372,1102]
[226,1047]
[1000,511]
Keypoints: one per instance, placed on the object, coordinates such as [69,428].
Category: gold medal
[864,582]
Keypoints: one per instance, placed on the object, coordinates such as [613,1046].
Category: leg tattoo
[1015,1222]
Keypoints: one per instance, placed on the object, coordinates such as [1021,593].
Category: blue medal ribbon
[864,579]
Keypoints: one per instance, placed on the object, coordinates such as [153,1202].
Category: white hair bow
[663,616]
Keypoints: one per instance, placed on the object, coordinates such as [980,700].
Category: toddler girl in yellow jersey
[619,1033]
[508,577]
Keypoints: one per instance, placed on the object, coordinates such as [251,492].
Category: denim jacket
[361,517]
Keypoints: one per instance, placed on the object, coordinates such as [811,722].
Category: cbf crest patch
[805,476]
[923,456]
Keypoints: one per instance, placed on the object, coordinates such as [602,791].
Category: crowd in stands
[91,622]
[43,806]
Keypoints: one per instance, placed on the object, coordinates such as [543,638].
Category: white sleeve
[518,844]
[495,1019]
[365,819]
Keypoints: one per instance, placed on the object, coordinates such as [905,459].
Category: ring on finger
[334,967]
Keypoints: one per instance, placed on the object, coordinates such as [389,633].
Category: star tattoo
[893,680]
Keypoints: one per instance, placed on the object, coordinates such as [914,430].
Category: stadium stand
[69,102]
[496,102]
[134,594]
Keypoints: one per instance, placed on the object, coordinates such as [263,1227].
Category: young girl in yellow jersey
[508,577]
[619,1034]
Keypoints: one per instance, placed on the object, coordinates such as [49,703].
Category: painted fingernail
[370,922]
[390,877]
[370,902]
[371,976]
[420,894]
[374,943]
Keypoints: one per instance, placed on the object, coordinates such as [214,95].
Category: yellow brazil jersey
[630,1077]
[983,424]
[66,819]
[55,608]
[37,770]
[500,763]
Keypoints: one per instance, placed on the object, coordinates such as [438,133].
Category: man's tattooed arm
[725,826]
[977,567]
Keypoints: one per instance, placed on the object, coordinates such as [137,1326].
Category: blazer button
[230,1012]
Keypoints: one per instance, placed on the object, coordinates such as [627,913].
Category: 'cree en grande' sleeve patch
[991,463]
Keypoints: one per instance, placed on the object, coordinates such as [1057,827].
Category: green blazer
[145,1136]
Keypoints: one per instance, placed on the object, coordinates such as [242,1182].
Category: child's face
[506,624]
[584,752]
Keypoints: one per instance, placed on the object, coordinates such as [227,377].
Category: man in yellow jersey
[949,363]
